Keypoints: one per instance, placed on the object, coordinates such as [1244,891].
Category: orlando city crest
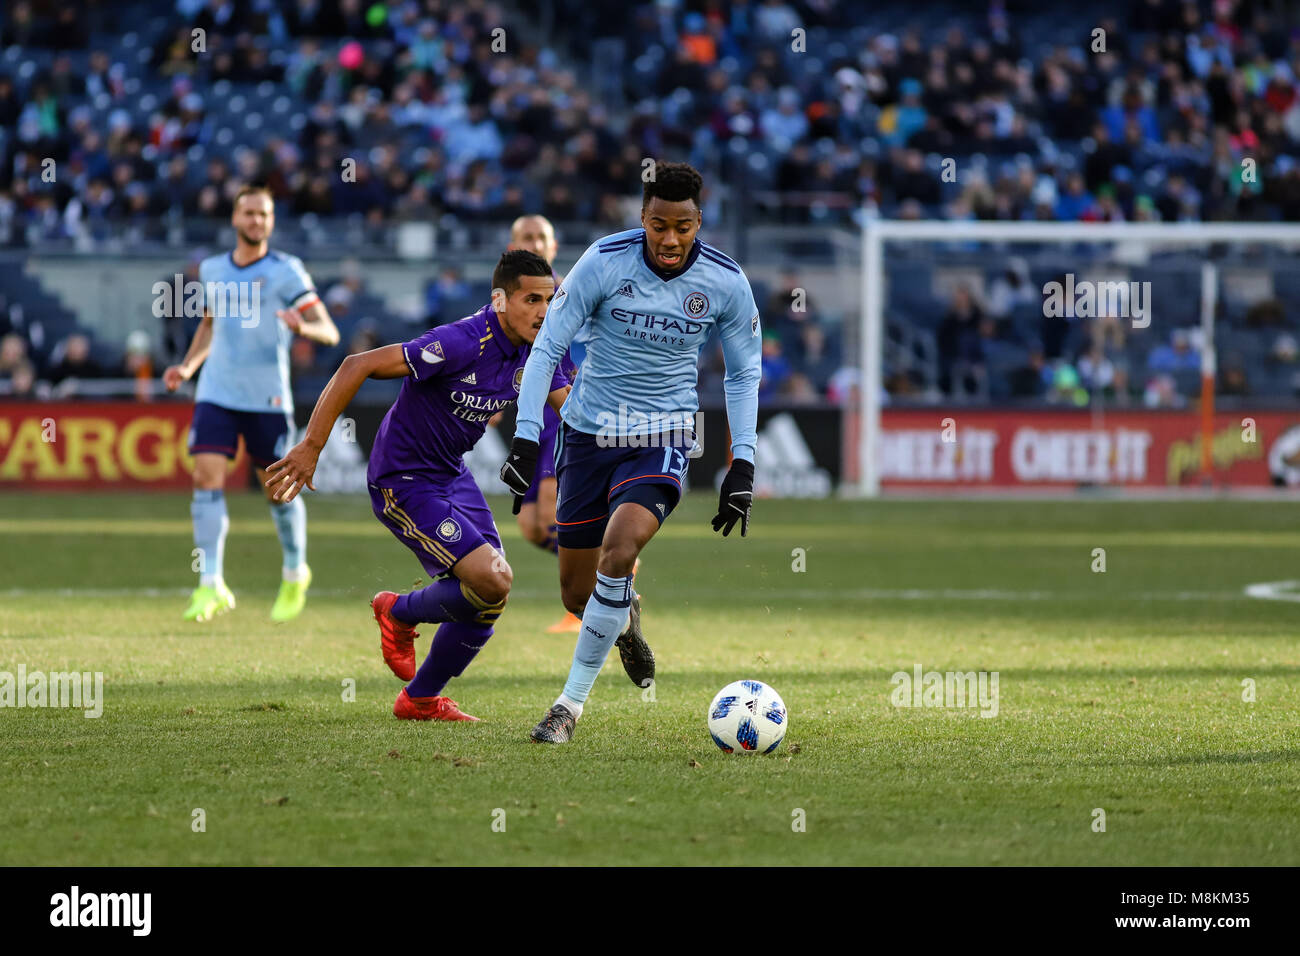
[696,305]
[519,378]
[449,530]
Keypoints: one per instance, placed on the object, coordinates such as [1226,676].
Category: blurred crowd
[804,110]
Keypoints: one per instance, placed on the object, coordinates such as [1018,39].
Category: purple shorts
[545,454]
[441,522]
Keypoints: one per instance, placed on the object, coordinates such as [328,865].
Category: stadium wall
[802,452]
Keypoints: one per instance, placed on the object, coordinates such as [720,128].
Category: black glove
[520,466]
[736,498]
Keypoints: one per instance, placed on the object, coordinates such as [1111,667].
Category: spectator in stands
[961,353]
[1233,381]
[1032,379]
[1012,290]
[443,297]
[1178,356]
[138,364]
[22,382]
[72,359]
[1162,392]
[816,357]
[776,368]
[13,353]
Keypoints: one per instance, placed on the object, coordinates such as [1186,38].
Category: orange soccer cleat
[569,624]
[407,707]
[396,640]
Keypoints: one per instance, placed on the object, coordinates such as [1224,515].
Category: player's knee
[617,558]
[209,481]
[494,587]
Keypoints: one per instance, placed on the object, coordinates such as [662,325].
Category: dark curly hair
[673,182]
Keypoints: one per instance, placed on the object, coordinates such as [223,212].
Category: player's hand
[519,469]
[291,318]
[292,473]
[736,499]
[172,377]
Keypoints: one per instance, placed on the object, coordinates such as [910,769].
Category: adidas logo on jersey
[626,290]
[470,379]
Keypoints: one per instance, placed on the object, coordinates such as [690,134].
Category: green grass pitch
[1120,691]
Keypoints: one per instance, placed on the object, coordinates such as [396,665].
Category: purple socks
[445,600]
[453,647]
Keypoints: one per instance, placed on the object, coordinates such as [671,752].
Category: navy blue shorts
[216,430]
[595,480]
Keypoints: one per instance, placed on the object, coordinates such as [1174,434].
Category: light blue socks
[208,510]
[291,525]
[603,620]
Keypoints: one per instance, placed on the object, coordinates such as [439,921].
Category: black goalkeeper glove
[736,498]
[520,466]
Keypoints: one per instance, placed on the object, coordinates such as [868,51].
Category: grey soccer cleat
[556,727]
[638,660]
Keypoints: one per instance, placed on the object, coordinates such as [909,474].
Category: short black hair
[515,263]
[673,182]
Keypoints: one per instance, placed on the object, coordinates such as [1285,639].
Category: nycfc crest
[696,305]
[449,530]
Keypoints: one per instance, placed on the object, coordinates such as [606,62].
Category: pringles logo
[1226,449]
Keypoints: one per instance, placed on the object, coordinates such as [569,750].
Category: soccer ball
[749,717]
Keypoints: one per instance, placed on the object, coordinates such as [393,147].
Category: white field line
[794,594]
[1275,590]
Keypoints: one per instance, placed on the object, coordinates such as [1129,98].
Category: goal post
[878,234]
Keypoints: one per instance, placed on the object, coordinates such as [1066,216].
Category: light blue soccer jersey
[247,368]
[643,330]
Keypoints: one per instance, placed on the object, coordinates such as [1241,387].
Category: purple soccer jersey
[461,375]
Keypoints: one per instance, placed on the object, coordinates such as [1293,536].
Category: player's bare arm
[294,471]
[556,398]
[173,375]
[311,322]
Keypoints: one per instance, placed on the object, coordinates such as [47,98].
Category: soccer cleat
[396,640]
[207,601]
[407,707]
[569,624]
[556,727]
[638,660]
[293,595]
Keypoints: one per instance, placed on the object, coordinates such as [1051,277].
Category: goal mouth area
[1127,295]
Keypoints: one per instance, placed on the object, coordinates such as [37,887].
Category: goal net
[1054,356]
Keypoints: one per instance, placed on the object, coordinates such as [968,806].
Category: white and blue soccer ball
[748,717]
